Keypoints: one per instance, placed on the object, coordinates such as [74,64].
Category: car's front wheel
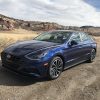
[55,68]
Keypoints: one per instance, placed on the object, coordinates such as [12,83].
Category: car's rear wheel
[92,55]
[55,68]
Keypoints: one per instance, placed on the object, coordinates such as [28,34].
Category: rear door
[86,45]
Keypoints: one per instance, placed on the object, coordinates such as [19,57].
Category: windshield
[56,37]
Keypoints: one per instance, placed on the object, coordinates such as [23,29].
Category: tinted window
[76,37]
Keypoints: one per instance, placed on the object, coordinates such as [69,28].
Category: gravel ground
[81,82]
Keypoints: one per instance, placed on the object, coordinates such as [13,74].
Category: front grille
[13,58]
[15,64]
[13,61]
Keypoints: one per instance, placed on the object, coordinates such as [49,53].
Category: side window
[84,37]
[76,37]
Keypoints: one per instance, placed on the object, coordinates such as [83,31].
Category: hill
[8,23]
[11,23]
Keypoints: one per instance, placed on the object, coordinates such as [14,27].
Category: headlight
[35,56]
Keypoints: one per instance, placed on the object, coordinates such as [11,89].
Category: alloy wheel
[56,67]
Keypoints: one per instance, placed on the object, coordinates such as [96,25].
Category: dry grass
[8,37]
[17,34]
[97,39]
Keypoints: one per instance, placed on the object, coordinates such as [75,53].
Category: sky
[64,12]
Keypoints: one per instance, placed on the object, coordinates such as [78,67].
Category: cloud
[65,12]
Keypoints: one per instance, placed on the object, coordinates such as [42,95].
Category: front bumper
[24,66]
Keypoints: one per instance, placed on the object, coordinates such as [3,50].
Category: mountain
[8,23]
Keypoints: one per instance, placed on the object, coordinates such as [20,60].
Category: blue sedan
[50,53]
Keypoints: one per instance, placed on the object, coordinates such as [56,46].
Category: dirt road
[81,82]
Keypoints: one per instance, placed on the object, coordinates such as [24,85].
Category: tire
[55,68]
[92,55]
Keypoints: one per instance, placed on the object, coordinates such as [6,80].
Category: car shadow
[9,78]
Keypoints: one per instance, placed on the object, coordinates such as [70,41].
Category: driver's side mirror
[73,42]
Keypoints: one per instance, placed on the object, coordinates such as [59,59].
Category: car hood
[21,48]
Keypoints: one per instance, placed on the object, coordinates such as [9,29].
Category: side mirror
[73,42]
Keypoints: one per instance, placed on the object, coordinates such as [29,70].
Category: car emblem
[8,56]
